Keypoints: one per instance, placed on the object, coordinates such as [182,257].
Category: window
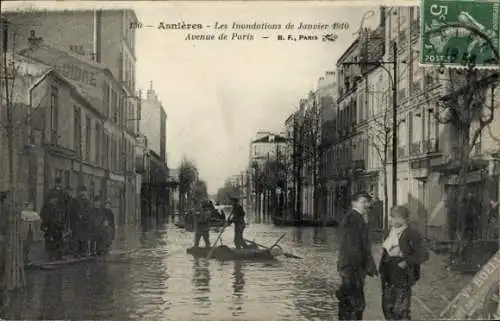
[105,99]
[416,74]
[54,114]
[88,138]
[97,158]
[116,106]
[77,131]
[112,104]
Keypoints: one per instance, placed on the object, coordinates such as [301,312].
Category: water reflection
[155,282]
[201,283]
[297,235]
[52,291]
[238,288]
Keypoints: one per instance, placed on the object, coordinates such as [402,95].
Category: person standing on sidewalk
[54,218]
[403,253]
[355,259]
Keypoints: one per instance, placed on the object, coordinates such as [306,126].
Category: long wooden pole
[212,248]
[286,254]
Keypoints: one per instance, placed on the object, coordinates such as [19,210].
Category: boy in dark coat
[54,218]
[355,259]
[399,267]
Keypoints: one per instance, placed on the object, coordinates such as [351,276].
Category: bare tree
[17,122]
[467,108]
[381,129]
[188,176]
[311,151]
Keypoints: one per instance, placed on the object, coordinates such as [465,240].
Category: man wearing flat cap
[238,218]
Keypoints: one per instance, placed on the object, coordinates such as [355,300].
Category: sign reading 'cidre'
[78,74]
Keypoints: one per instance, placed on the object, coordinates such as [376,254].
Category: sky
[218,94]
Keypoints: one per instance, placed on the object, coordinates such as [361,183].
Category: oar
[212,248]
[286,254]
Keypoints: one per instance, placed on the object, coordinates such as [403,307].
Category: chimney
[151,93]
[383,14]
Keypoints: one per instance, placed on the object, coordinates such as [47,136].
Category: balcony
[429,146]
[414,28]
[402,151]
[359,165]
[415,87]
[415,148]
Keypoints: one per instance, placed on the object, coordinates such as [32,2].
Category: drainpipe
[31,142]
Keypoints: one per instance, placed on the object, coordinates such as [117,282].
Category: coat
[414,253]
[54,211]
[83,226]
[355,247]
[238,215]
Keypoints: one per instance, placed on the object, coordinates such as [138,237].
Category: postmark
[459,33]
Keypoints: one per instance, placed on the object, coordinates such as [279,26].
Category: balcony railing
[415,148]
[415,87]
[429,146]
[402,151]
[414,28]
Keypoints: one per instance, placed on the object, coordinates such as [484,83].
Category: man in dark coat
[54,218]
[71,209]
[238,218]
[105,226]
[355,259]
[83,222]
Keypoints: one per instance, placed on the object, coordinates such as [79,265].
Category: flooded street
[159,281]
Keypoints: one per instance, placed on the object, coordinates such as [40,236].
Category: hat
[107,201]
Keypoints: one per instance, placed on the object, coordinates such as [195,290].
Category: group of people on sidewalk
[74,224]
[237,217]
[399,268]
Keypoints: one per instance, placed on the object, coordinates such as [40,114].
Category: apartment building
[326,94]
[350,141]
[102,36]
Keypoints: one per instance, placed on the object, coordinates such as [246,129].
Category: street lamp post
[393,76]
[394,127]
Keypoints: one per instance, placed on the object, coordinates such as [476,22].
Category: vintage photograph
[250,160]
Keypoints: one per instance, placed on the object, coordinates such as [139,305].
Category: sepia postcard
[250,160]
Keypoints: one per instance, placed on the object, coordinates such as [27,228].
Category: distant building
[265,148]
[153,123]
[156,187]
[326,95]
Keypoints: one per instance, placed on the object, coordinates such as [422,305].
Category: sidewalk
[433,292]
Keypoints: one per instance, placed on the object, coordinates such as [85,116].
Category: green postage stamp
[459,33]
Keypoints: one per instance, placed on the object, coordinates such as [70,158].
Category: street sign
[449,34]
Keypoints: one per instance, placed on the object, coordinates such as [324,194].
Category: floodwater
[159,281]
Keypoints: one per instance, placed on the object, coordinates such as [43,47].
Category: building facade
[266,149]
[96,53]
[155,190]
[326,94]
[349,141]
[103,36]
